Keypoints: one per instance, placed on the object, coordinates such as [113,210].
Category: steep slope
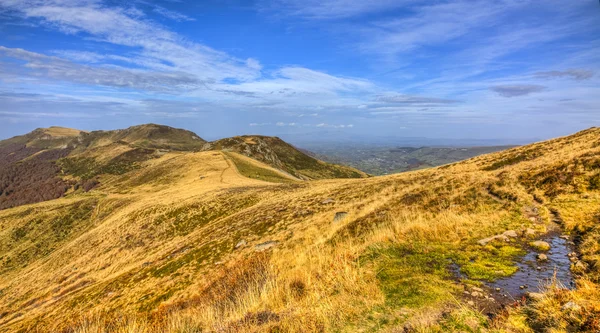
[185,243]
[281,155]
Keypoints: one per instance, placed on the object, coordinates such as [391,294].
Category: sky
[303,69]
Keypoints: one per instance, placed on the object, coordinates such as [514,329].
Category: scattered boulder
[510,233]
[240,244]
[540,245]
[542,257]
[339,216]
[265,246]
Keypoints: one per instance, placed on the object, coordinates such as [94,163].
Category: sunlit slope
[283,156]
[187,242]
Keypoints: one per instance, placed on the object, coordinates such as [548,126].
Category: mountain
[184,241]
[279,154]
[49,162]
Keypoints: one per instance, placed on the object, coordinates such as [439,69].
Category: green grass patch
[488,263]
[414,275]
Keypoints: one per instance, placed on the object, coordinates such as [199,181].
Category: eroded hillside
[187,242]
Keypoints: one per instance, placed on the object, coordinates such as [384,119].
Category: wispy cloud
[413,100]
[575,74]
[172,15]
[517,90]
[330,9]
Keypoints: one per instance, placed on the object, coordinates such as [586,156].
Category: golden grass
[160,252]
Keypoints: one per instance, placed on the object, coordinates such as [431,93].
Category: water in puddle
[533,278]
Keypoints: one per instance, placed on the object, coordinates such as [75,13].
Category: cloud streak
[517,90]
[575,74]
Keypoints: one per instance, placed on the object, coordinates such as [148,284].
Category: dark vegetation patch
[26,179]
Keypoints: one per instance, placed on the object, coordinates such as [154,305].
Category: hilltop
[50,162]
[186,241]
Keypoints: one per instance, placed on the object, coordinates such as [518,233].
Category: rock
[485,241]
[535,296]
[240,244]
[566,237]
[571,306]
[476,294]
[572,255]
[529,233]
[533,219]
[477,289]
[521,287]
[471,303]
[498,289]
[511,233]
[339,216]
[327,201]
[540,245]
[265,246]
[542,257]
[579,267]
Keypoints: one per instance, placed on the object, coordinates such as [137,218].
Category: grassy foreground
[186,243]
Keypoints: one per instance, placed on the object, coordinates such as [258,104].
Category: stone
[339,216]
[566,237]
[240,244]
[521,287]
[477,289]
[579,267]
[476,294]
[540,245]
[533,219]
[542,257]
[498,289]
[471,303]
[327,201]
[485,241]
[535,296]
[265,246]
[529,232]
[511,233]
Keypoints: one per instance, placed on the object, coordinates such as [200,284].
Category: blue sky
[504,69]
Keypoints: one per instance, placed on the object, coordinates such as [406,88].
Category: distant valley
[382,160]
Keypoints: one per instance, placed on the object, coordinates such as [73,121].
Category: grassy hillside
[281,155]
[186,243]
[50,162]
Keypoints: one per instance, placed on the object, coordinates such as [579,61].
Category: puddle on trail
[533,278]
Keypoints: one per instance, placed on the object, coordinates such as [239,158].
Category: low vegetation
[202,246]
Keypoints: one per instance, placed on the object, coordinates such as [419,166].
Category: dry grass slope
[186,243]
